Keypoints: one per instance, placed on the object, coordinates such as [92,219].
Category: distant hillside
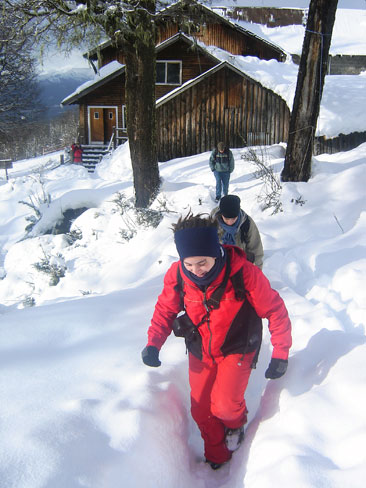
[55,87]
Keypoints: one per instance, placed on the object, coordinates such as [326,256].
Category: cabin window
[169,72]
[111,115]
[96,115]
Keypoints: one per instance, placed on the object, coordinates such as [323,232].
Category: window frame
[124,117]
[166,62]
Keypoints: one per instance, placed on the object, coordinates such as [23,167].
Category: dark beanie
[197,241]
[230,206]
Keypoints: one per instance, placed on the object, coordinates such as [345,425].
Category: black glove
[276,368]
[150,356]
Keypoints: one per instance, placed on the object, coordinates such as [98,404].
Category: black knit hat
[230,206]
[197,241]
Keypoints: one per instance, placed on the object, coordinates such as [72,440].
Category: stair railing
[110,142]
[120,139]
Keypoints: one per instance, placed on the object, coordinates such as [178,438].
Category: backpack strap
[244,229]
[179,288]
[238,285]
[240,294]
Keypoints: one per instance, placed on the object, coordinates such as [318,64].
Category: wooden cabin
[199,98]
[222,104]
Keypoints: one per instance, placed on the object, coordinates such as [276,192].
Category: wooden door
[109,115]
[102,121]
[96,125]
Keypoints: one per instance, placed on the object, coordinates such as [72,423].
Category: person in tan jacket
[235,227]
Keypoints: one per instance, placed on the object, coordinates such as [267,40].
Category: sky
[79,408]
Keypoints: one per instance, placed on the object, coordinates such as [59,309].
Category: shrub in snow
[135,218]
[53,266]
[29,302]
[74,235]
[271,189]
[37,199]
[298,201]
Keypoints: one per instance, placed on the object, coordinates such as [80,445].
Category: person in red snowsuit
[224,297]
[76,152]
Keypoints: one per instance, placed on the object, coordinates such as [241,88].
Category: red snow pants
[217,400]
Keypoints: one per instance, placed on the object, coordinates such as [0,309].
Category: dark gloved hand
[276,368]
[150,356]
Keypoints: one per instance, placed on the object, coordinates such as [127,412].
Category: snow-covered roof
[192,41]
[105,74]
[348,36]
[221,18]
[281,78]
[113,69]
[236,26]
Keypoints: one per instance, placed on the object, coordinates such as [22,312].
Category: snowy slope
[78,407]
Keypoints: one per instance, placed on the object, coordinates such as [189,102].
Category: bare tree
[19,103]
[309,89]
[131,25]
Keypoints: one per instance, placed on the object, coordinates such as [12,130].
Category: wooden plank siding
[224,106]
[109,54]
[228,38]
[193,64]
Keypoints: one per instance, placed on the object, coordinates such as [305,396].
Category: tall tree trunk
[140,104]
[309,89]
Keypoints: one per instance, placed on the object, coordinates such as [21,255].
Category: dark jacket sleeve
[254,243]
[213,160]
[231,162]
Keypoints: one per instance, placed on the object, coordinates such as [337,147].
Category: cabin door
[101,123]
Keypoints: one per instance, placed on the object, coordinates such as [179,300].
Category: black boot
[233,438]
[214,466]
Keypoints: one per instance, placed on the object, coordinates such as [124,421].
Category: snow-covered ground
[78,407]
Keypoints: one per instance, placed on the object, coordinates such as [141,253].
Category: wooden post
[6,164]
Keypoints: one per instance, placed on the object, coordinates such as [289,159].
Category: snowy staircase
[92,155]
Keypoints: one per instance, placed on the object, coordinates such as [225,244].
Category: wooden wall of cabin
[227,38]
[194,63]
[223,107]
[236,42]
[110,54]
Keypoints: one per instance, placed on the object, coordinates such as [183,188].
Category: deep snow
[79,409]
[77,406]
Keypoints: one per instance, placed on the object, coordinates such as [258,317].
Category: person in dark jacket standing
[224,298]
[222,165]
[238,228]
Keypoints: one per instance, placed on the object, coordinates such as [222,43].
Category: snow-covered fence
[343,142]
[6,164]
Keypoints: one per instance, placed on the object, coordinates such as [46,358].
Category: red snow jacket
[77,152]
[266,302]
